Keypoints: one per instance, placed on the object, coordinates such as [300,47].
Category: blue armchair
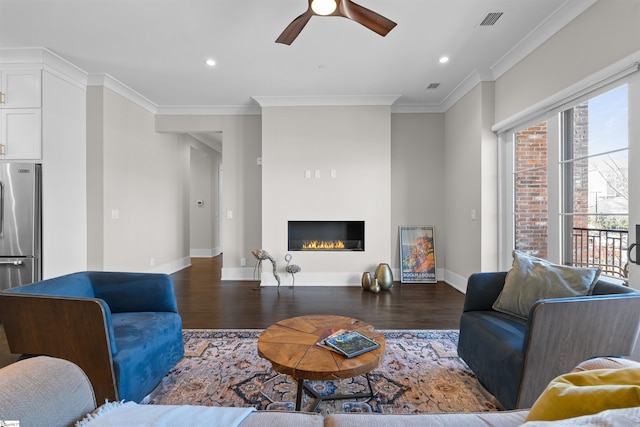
[122,329]
[514,358]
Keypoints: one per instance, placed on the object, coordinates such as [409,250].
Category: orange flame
[321,245]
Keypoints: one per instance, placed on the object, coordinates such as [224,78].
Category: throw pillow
[532,279]
[586,393]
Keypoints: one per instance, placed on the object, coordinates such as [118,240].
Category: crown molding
[121,89]
[322,101]
[64,69]
[209,110]
[416,108]
[465,86]
[566,13]
[44,59]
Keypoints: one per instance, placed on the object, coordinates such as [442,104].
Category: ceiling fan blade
[294,28]
[368,18]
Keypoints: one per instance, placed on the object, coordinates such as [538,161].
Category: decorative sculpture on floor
[261,255]
[292,269]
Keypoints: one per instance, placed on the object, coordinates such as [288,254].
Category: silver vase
[375,286]
[384,277]
[366,280]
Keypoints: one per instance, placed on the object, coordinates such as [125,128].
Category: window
[595,170]
[570,190]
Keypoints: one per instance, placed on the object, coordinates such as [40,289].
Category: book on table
[350,343]
[327,333]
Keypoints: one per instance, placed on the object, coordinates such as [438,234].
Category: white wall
[489,210]
[355,141]
[417,180]
[95,178]
[462,182]
[470,182]
[64,169]
[145,184]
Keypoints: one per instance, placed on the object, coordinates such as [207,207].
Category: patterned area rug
[421,373]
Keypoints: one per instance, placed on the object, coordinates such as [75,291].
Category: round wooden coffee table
[290,346]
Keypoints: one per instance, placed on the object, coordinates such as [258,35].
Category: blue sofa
[122,329]
[514,358]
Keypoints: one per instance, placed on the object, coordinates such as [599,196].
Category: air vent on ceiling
[433,85]
[491,19]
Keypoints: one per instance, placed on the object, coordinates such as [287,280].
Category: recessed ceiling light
[210,62]
[444,60]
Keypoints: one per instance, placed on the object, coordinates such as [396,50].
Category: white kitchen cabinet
[21,114]
[20,133]
[21,88]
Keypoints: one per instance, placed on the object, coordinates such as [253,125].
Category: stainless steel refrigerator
[20,224]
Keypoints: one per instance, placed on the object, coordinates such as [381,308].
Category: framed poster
[417,254]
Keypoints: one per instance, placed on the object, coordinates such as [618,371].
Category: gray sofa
[46,391]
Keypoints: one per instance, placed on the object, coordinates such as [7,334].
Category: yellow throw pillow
[585,393]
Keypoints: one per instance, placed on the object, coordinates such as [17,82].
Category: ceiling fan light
[324,7]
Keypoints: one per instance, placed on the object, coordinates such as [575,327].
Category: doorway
[205,194]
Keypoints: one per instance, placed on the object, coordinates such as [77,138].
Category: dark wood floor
[206,302]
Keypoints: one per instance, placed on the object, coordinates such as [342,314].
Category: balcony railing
[602,248]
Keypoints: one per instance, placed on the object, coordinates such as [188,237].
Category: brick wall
[531,194]
[531,187]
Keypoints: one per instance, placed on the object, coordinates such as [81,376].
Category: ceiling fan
[344,8]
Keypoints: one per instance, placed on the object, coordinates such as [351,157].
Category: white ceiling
[158,47]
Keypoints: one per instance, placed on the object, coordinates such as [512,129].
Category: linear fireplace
[326,236]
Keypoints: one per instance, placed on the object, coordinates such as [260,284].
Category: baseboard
[205,253]
[455,281]
[323,279]
[171,267]
[312,279]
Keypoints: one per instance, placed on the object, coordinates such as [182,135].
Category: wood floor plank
[205,301]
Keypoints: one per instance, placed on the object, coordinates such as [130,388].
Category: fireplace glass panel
[326,236]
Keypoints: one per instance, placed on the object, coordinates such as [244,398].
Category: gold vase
[366,280]
[384,277]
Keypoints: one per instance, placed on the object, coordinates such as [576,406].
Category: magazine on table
[327,334]
[350,343]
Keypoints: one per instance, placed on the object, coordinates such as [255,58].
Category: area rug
[421,372]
